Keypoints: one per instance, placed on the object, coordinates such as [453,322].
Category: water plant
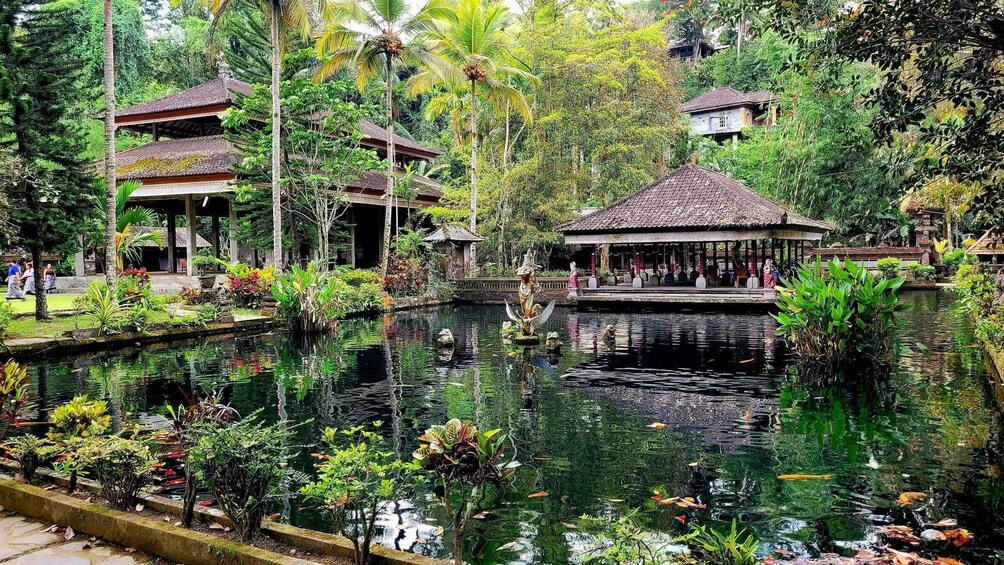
[243,466]
[842,318]
[465,462]
[13,393]
[355,479]
[312,300]
[713,547]
[29,452]
[121,465]
[890,267]
[201,410]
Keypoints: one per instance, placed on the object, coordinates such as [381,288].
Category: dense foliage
[312,300]
[840,318]
[121,465]
[13,394]
[243,465]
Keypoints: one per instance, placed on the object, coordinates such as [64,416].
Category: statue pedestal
[527,339]
[637,283]
[752,283]
[573,292]
[701,282]
[593,283]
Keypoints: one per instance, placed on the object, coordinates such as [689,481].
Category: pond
[737,414]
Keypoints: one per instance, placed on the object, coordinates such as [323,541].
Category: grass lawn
[59,325]
[56,303]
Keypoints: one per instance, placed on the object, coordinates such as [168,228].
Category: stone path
[24,541]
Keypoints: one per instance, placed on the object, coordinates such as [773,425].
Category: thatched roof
[727,97]
[452,232]
[693,198]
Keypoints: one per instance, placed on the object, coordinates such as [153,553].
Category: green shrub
[921,272]
[205,261]
[839,320]
[990,330]
[79,417]
[102,303]
[367,297]
[6,318]
[890,267]
[976,290]
[138,319]
[716,548]
[354,481]
[956,258]
[359,277]
[29,452]
[312,301]
[464,462]
[13,394]
[242,465]
[121,465]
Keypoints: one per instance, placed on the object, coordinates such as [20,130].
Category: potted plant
[207,265]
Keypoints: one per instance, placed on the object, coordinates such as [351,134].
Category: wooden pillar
[172,242]
[727,258]
[754,258]
[233,232]
[192,242]
[216,236]
[605,257]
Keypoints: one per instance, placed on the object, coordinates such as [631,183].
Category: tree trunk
[276,137]
[458,549]
[188,501]
[41,304]
[110,182]
[389,193]
[474,172]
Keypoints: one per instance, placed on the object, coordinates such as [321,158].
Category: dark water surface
[737,415]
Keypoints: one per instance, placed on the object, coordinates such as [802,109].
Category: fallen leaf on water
[803,477]
[540,494]
[657,425]
[744,361]
[570,526]
[681,519]
[910,498]
[69,534]
[959,537]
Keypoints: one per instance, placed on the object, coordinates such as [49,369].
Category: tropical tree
[370,36]
[128,239]
[471,48]
[110,236]
[285,17]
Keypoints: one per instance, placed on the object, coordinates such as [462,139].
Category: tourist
[29,279]
[14,291]
[49,274]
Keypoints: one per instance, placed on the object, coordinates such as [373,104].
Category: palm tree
[370,36]
[109,70]
[128,239]
[471,48]
[284,16]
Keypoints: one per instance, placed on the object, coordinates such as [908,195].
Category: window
[722,122]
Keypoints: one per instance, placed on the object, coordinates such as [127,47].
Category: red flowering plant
[406,277]
[13,394]
[134,286]
[248,286]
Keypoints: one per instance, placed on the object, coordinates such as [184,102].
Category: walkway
[678,295]
[24,541]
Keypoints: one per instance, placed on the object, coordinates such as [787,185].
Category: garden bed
[154,529]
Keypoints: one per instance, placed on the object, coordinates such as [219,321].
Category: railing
[499,289]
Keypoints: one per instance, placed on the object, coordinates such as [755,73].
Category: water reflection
[736,410]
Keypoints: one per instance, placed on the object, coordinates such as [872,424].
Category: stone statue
[529,311]
[573,276]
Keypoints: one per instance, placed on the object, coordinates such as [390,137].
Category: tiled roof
[177,157]
[688,199]
[215,92]
[376,180]
[726,97]
[375,132]
[452,232]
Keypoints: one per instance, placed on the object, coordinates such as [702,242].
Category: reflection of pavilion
[693,236]
[187,169]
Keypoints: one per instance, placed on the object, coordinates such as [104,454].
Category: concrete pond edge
[174,542]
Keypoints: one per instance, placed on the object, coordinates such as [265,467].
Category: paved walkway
[24,541]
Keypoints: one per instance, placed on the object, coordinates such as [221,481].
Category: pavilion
[690,221]
[187,169]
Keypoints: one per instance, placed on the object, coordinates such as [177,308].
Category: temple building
[187,169]
[694,223]
[725,112]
